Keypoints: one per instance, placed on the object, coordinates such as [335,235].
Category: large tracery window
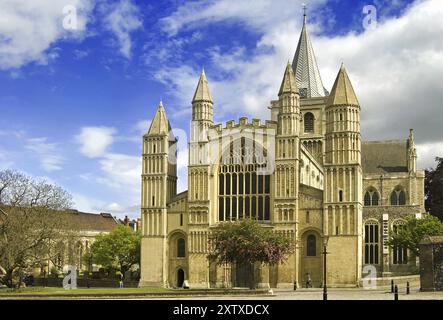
[371,197]
[372,242]
[244,191]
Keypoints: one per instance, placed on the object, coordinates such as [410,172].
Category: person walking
[308,280]
[121,280]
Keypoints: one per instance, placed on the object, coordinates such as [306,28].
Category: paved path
[383,293]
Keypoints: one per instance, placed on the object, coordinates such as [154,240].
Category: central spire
[305,66]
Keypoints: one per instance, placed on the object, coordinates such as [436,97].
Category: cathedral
[304,172]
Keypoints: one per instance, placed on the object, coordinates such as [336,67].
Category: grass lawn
[80,291]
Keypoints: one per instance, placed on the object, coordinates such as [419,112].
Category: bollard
[392,286]
[408,291]
[396,293]
[295,285]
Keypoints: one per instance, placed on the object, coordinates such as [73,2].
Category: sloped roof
[342,92]
[160,124]
[202,92]
[384,156]
[83,221]
[288,83]
[305,66]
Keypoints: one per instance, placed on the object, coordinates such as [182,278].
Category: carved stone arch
[311,265]
[173,238]
[371,196]
[398,195]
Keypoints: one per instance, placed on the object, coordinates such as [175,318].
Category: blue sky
[75,103]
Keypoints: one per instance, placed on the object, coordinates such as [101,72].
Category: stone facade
[304,173]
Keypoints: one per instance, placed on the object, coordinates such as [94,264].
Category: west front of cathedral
[305,172]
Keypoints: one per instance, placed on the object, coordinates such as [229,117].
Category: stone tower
[159,185]
[342,221]
[199,205]
[286,177]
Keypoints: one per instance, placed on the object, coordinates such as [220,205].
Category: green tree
[120,249]
[434,189]
[246,242]
[410,235]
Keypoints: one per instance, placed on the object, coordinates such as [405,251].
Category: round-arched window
[311,246]
[181,248]
[309,122]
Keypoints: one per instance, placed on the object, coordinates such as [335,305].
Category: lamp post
[325,287]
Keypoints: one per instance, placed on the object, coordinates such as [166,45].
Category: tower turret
[412,153]
[289,100]
[343,181]
[159,185]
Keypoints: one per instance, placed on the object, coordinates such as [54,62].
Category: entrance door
[242,274]
[180,278]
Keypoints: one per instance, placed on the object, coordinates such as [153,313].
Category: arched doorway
[180,278]
[311,259]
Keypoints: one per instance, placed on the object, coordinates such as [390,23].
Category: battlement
[244,123]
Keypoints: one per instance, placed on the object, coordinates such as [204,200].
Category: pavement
[381,293]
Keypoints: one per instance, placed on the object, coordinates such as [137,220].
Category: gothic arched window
[367,198]
[244,183]
[181,248]
[372,197]
[309,122]
[398,197]
[311,246]
[402,198]
[372,242]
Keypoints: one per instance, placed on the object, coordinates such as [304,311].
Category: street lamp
[325,287]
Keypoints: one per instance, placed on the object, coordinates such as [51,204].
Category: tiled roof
[384,156]
[288,84]
[103,222]
[82,221]
[342,92]
[202,92]
[305,67]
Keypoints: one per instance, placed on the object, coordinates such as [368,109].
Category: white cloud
[122,19]
[48,153]
[427,153]
[119,173]
[94,141]
[29,28]
[122,171]
[395,69]
[259,15]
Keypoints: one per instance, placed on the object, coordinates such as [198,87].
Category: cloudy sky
[80,79]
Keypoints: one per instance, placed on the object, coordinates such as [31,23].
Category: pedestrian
[308,280]
[121,280]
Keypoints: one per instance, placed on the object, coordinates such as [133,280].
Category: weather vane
[304,8]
